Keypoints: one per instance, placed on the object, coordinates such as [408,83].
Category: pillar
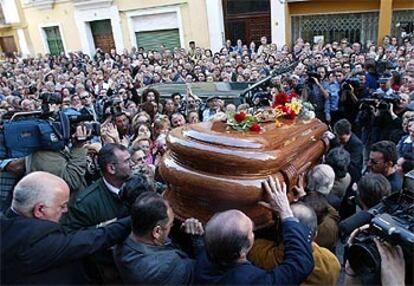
[278,20]
[384,20]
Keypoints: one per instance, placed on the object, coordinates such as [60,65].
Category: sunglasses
[85,97]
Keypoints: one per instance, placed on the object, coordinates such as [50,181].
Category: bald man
[229,238]
[34,247]
[267,254]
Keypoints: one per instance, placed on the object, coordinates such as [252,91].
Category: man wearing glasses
[382,160]
[88,107]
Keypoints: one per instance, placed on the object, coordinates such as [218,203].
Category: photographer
[315,91]
[387,123]
[69,164]
[392,264]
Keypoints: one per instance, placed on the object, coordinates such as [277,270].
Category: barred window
[356,27]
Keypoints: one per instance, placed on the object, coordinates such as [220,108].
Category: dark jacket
[355,148]
[295,268]
[94,205]
[140,263]
[35,251]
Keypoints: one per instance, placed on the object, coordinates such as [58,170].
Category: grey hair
[321,179]
[29,192]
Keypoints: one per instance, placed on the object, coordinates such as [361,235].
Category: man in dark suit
[229,237]
[34,247]
[351,143]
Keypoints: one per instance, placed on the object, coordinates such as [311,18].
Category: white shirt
[111,188]
[408,140]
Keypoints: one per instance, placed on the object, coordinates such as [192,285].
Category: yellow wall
[403,4]
[384,7]
[62,13]
[193,17]
[323,7]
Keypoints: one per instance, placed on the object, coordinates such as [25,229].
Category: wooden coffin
[211,168]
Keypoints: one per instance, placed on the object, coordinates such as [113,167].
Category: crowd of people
[93,212]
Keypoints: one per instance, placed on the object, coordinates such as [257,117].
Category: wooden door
[247,20]
[8,45]
[102,35]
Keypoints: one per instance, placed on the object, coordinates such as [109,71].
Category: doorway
[102,35]
[8,45]
[247,20]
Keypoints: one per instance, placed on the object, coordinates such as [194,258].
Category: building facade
[13,32]
[56,26]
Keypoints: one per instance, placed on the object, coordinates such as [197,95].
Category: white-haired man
[35,249]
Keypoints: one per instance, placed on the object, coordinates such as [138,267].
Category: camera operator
[69,164]
[351,91]
[315,91]
[387,123]
[392,264]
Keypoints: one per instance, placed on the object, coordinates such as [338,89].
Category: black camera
[311,77]
[392,221]
[351,82]
[262,98]
[50,98]
[75,118]
[114,106]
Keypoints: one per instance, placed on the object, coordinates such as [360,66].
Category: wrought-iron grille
[356,27]
[404,16]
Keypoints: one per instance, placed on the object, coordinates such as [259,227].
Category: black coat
[35,251]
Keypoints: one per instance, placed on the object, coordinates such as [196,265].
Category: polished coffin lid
[210,167]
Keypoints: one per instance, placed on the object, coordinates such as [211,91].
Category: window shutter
[54,40]
[151,40]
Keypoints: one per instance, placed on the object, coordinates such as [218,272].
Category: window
[151,40]
[361,27]
[402,23]
[54,41]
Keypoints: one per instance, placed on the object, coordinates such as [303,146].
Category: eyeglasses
[374,162]
[84,96]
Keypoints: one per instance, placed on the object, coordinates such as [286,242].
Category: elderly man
[147,256]
[267,254]
[320,183]
[34,247]
[321,179]
[229,238]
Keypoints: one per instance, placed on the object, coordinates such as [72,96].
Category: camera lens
[364,257]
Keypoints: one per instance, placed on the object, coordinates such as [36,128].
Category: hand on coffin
[192,226]
[299,189]
[276,198]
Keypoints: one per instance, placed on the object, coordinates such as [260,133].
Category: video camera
[393,221]
[311,77]
[380,100]
[351,82]
[23,133]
